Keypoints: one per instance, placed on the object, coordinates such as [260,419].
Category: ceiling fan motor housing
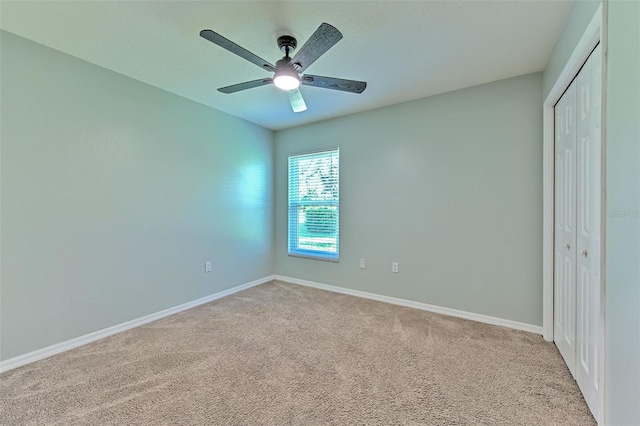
[284,63]
[286,77]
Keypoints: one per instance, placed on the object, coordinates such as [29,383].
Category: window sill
[309,256]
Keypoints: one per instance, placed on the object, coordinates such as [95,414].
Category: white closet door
[564,332]
[588,229]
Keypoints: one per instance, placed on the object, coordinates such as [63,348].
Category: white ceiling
[404,49]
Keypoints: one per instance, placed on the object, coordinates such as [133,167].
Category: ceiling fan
[287,70]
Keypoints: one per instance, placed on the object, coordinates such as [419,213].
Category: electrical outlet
[207,267]
[394,267]
[363,263]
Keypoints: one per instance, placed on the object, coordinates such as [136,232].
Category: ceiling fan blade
[246,85]
[234,48]
[296,100]
[320,41]
[352,86]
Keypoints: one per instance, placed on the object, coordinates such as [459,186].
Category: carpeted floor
[284,354]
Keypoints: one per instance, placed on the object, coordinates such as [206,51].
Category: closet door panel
[588,228]
[565,227]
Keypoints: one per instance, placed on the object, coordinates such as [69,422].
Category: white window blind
[314,205]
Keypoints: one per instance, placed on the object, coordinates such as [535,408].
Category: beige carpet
[284,354]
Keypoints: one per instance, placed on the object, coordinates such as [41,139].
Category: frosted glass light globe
[286,82]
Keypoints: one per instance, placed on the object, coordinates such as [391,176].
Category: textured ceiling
[404,49]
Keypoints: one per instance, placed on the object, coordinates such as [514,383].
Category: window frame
[293,225]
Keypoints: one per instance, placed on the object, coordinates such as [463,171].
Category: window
[314,205]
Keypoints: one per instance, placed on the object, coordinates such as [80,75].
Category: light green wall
[449,186]
[622,387]
[577,21]
[114,194]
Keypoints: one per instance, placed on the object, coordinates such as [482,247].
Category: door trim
[593,35]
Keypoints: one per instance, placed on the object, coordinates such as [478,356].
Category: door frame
[595,33]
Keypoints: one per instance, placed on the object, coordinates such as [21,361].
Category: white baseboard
[57,348]
[417,305]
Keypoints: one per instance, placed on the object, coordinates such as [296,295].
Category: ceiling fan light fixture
[287,70]
[286,78]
